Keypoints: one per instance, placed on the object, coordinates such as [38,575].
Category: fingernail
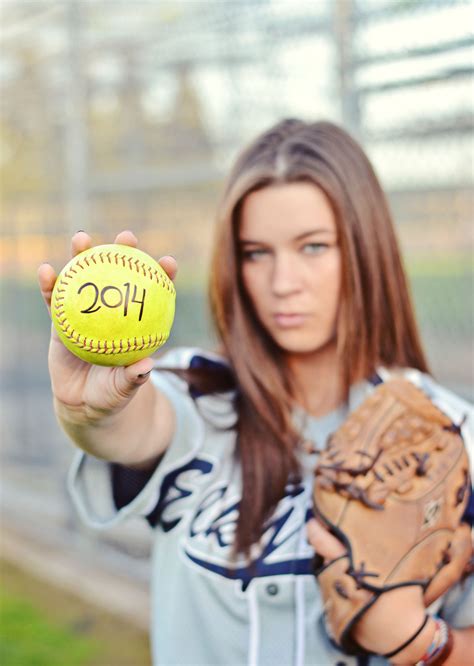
[145,374]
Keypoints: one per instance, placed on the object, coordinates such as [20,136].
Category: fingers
[323,542]
[80,241]
[46,280]
[139,372]
[126,380]
[169,265]
[126,238]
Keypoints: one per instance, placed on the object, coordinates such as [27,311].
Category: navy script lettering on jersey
[212,522]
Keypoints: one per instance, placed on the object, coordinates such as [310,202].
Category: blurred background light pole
[75,124]
[345,17]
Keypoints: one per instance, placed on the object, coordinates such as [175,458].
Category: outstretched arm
[113,413]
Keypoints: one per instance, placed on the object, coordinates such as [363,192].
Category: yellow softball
[113,305]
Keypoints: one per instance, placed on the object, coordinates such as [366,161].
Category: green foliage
[27,639]
[442,292]
[447,266]
[43,625]
[443,305]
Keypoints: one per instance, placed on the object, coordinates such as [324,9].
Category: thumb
[128,378]
[323,542]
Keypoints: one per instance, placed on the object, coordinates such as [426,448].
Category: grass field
[42,626]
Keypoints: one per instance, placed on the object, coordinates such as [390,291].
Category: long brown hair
[376,325]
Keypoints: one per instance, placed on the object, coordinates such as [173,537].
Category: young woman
[310,303]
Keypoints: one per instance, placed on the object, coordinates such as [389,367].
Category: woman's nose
[285,275]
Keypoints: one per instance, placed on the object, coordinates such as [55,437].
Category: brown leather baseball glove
[392,485]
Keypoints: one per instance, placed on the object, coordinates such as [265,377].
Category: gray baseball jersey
[206,608]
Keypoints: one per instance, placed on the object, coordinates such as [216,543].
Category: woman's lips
[290,319]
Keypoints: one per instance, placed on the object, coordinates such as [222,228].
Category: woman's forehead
[289,209]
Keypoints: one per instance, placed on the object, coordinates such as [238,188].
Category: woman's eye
[253,255]
[314,248]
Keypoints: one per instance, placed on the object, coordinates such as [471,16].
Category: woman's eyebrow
[305,234]
[319,230]
[248,241]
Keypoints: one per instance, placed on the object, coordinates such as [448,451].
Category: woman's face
[291,264]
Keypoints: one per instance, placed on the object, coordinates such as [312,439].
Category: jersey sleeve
[458,605]
[106,494]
